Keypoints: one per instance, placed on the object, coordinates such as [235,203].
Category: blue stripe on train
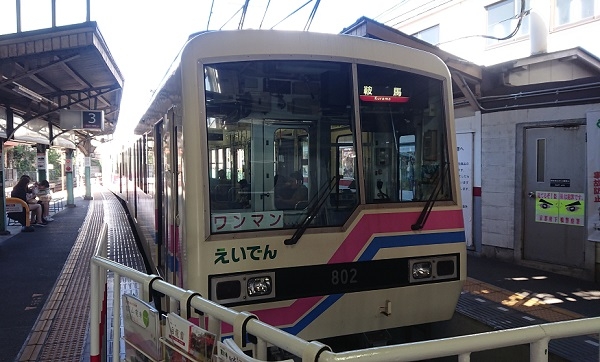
[382,242]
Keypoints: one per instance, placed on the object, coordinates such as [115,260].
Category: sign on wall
[464,142]
[69,165]
[566,208]
[41,161]
[593,176]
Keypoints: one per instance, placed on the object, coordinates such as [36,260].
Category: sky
[145,36]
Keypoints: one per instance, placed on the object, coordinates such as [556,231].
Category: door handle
[531,194]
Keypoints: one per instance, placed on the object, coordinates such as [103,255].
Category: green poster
[571,208]
[567,208]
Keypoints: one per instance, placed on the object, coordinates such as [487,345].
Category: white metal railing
[537,336]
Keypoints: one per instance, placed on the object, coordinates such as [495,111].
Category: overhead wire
[422,5]
[292,13]
[264,15]
[524,12]
[245,6]
[240,9]
[243,17]
[312,15]
[210,14]
[390,9]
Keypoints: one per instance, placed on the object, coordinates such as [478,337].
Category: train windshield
[403,126]
[283,145]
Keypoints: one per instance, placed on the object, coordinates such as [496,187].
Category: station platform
[45,308]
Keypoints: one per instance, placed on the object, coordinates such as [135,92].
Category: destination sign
[377,94]
[384,99]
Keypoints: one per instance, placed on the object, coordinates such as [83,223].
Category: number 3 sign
[92,120]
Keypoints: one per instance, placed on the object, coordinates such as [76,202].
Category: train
[310,179]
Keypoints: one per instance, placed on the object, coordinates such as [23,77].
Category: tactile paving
[60,332]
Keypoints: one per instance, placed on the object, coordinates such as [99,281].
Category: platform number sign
[92,120]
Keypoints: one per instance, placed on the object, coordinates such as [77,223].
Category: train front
[323,196]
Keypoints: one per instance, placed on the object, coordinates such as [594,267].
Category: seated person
[221,190]
[44,197]
[291,193]
[22,191]
[243,194]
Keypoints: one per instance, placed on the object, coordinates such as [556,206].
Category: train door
[262,169]
[407,167]
[171,191]
[159,196]
[381,149]
[554,177]
[278,152]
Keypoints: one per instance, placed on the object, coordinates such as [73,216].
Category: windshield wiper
[432,199]
[314,206]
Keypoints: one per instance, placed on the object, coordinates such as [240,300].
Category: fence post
[464,357]
[538,351]
[116,316]
[94,313]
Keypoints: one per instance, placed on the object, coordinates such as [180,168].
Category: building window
[571,11]
[430,35]
[503,20]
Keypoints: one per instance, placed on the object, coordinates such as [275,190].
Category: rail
[538,336]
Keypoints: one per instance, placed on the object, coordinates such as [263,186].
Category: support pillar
[69,173]
[88,179]
[3,221]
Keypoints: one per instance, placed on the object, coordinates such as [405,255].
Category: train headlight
[433,268]
[258,286]
[422,270]
[242,288]
[229,289]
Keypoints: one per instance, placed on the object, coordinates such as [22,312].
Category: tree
[54,157]
[24,157]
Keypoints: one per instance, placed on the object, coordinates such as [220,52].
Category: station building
[527,112]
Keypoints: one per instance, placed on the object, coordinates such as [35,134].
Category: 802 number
[344,276]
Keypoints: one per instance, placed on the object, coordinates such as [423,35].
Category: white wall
[460,21]
[473,124]
[468,131]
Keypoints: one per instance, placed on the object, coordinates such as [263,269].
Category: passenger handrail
[264,332]
[537,336]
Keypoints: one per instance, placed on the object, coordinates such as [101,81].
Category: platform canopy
[45,71]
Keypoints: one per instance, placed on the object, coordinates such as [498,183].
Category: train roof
[209,46]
